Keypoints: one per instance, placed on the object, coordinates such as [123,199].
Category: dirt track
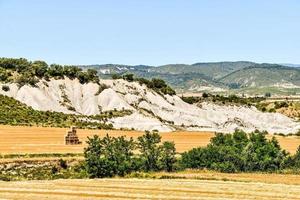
[146,189]
[14,139]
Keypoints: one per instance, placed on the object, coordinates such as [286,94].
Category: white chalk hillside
[149,109]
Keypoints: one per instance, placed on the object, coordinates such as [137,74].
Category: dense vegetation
[158,85]
[42,170]
[120,156]
[223,100]
[24,72]
[14,112]
[108,156]
[237,152]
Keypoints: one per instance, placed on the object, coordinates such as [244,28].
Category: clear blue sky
[152,32]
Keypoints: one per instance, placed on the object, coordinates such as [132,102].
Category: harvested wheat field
[289,179]
[18,139]
[146,189]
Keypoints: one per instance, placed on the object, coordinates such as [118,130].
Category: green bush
[190,99]
[205,95]
[295,160]
[168,90]
[63,164]
[3,75]
[5,88]
[283,104]
[168,159]
[148,145]
[109,156]
[116,76]
[156,84]
[231,99]
[238,152]
[128,77]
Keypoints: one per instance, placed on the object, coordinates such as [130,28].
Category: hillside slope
[236,77]
[264,75]
[149,110]
[195,77]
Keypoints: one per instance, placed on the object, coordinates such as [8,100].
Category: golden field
[171,189]
[17,139]
[188,184]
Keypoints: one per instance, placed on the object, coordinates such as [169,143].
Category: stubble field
[188,184]
[19,140]
[175,189]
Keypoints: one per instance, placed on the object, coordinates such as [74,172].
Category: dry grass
[15,139]
[146,189]
[272,178]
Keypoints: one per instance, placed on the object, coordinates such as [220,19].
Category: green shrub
[231,99]
[116,76]
[191,99]
[156,84]
[63,164]
[281,105]
[109,156]
[101,88]
[5,88]
[128,77]
[294,161]
[148,145]
[168,90]
[168,159]
[204,95]
[3,75]
[238,152]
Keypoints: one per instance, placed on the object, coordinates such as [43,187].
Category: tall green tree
[148,145]
[168,153]
[109,156]
[40,68]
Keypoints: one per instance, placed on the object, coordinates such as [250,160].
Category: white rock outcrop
[149,110]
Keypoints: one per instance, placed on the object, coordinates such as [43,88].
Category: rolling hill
[235,77]
[145,108]
[263,75]
[87,100]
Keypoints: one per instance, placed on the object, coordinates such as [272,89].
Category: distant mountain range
[290,65]
[235,77]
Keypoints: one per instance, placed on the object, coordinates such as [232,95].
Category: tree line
[158,85]
[24,72]
[111,156]
[237,152]
[220,99]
